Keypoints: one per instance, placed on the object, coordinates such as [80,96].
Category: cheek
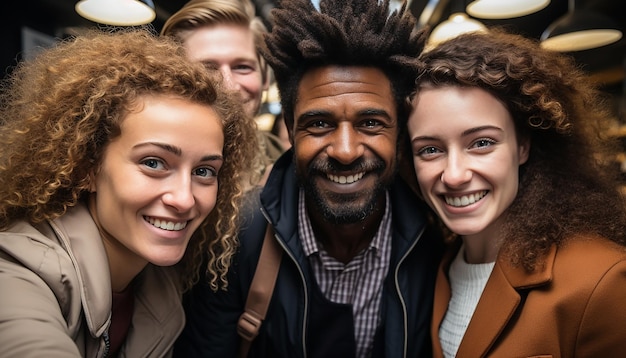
[426,175]
[252,84]
[207,199]
[386,147]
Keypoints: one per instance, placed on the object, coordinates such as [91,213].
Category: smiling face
[344,137]
[466,157]
[157,181]
[230,49]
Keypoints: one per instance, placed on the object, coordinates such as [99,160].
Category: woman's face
[466,157]
[158,180]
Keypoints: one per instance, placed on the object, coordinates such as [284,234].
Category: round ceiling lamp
[455,25]
[117,12]
[504,9]
[580,30]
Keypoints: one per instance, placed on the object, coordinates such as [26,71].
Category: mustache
[330,165]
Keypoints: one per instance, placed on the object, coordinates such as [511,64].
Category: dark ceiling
[606,64]
[57,17]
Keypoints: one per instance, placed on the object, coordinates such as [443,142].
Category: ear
[524,150]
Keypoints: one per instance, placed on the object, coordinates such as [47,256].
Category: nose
[229,80]
[180,195]
[456,172]
[346,146]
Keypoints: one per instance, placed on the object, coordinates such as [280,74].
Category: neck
[480,250]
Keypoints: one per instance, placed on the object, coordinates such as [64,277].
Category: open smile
[464,200]
[166,225]
[343,179]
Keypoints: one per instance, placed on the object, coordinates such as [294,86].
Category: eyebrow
[178,151]
[465,132]
[481,128]
[375,112]
[363,112]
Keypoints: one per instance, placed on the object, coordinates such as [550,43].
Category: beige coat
[55,294]
[574,307]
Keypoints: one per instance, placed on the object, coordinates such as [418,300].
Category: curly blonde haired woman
[113,148]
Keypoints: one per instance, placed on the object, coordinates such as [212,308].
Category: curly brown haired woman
[113,148]
[509,151]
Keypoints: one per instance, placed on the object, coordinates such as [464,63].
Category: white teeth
[166,225]
[341,179]
[465,200]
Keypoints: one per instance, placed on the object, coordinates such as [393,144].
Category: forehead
[220,41]
[346,86]
[451,106]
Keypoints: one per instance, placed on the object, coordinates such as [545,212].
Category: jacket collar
[497,304]
[78,233]
[157,302]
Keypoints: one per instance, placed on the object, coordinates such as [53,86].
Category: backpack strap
[260,293]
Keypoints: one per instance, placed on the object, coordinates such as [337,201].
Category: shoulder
[590,251]
[31,248]
[588,264]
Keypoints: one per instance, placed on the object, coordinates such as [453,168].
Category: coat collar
[497,304]
[157,290]
[78,233]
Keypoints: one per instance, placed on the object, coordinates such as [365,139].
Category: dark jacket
[287,330]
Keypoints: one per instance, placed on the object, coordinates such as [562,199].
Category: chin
[166,260]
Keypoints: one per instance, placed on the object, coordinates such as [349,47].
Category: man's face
[230,49]
[345,132]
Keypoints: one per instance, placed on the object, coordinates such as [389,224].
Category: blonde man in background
[225,35]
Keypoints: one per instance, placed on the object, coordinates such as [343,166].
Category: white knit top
[467,282]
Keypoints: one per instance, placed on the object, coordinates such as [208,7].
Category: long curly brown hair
[568,186]
[60,110]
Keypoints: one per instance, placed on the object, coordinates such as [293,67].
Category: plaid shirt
[359,283]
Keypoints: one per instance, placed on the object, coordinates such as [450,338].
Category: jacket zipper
[306,294]
[404,310]
[107,344]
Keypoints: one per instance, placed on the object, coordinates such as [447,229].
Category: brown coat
[575,306]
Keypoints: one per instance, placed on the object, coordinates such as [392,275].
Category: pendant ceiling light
[504,9]
[580,30]
[455,25]
[117,12]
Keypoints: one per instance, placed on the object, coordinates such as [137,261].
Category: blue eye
[153,163]
[481,143]
[427,151]
[205,172]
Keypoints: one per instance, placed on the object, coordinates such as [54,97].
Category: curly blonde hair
[567,186]
[60,110]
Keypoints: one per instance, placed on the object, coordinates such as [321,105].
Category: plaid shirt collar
[310,245]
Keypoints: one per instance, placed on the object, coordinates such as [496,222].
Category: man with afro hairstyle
[358,258]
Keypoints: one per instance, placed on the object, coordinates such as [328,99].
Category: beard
[344,208]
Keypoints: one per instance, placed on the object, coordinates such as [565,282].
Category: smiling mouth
[166,225]
[342,179]
[465,200]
